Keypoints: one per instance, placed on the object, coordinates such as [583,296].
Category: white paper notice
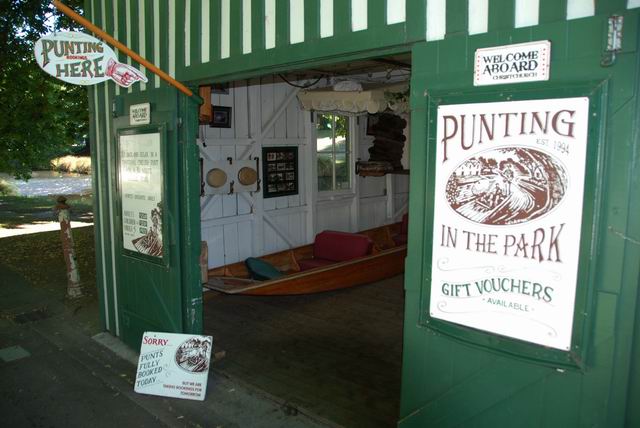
[174,365]
[141,189]
[507,217]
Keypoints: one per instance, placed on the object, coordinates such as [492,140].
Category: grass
[19,210]
[77,164]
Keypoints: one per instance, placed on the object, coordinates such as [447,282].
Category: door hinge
[614,40]
[179,122]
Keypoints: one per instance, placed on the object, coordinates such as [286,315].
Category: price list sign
[141,190]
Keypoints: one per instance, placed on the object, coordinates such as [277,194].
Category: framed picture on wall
[220,117]
[280,171]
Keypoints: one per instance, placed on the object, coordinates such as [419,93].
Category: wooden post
[73,277]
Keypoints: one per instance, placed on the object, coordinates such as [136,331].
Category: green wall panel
[451,383]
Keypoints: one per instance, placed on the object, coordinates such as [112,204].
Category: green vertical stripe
[376,13]
[95,170]
[282,23]
[501,14]
[610,7]
[235,28]
[214,30]
[257,24]
[149,30]
[416,19]
[311,20]
[180,36]
[196,32]
[135,37]
[102,132]
[552,11]
[457,17]
[341,17]
[164,38]
[122,28]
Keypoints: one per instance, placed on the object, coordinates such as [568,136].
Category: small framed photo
[220,117]
[280,166]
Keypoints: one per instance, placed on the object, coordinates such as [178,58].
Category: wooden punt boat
[386,260]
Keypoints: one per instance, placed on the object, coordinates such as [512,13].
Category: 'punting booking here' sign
[81,59]
[507,217]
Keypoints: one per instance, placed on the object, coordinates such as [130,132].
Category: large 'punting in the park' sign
[81,59]
[507,217]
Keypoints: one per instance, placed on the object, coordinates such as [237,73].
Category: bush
[77,164]
[7,189]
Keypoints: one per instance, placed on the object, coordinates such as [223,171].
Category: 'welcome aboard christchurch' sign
[507,217]
[81,59]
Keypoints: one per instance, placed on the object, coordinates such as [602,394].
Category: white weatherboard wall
[265,112]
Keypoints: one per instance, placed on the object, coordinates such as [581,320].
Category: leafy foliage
[40,117]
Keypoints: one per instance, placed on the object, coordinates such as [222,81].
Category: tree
[40,116]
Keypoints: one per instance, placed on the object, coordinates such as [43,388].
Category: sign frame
[543,62]
[161,129]
[583,315]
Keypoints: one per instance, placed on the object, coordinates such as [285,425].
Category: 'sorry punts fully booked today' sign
[507,217]
[81,59]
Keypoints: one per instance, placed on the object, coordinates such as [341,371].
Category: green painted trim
[257,27]
[302,65]
[339,49]
[342,18]
[376,14]
[610,7]
[457,22]
[416,24]
[552,11]
[235,28]
[189,205]
[164,39]
[180,38]
[195,52]
[149,54]
[632,414]
[282,24]
[501,15]
[214,32]
[135,38]
[311,20]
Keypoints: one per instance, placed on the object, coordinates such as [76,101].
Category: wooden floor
[337,354]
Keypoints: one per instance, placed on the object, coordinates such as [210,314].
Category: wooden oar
[107,38]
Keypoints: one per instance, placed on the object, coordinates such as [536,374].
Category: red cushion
[340,246]
[314,263]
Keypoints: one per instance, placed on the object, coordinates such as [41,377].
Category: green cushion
[261,270]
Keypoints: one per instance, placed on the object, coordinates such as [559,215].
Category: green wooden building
[559,344]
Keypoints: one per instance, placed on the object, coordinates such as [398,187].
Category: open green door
[479,349]
[156,214]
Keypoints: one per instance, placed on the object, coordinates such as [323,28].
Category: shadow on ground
[16,211]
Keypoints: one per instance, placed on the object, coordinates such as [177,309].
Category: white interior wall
[265,112]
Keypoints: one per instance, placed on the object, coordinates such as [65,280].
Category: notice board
[141,180]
